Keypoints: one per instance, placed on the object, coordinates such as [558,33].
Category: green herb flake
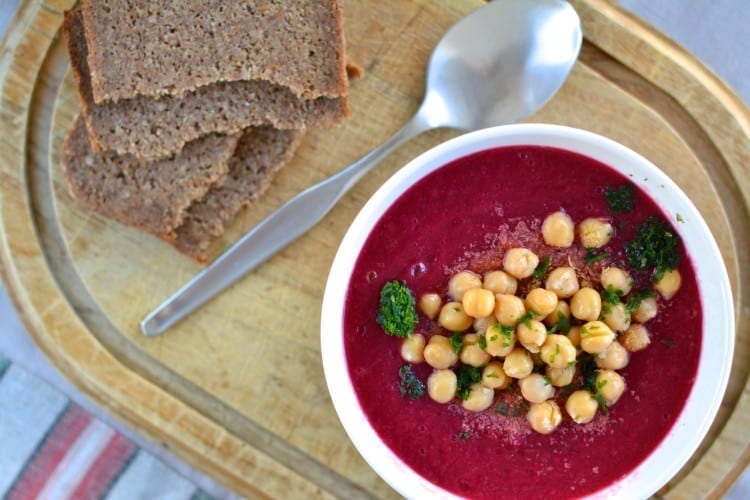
[541,268]
[621,199]
[457,342]
[654,247]
[526,318]
[636,297]
[503,408]
[410,385]
[601,401]
[466,375]
[594,255]
[679,218]
[397,312]
[482,342]
[610,295]
[492,375]
[463,436]
[547,380]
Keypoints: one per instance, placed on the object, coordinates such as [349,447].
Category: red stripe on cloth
[50,453]
[106,467]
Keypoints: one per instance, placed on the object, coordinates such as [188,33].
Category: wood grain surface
[237,390]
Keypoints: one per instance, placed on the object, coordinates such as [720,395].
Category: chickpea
[618,279]
[509,309]
[646,310]
[442,385]
[478,302]
[430,304]
[479,399]
[518,363]
[560,377]
[558,351]
[499,343]
[531,334]
[462,281]
[563,281]
[586,304]
[561,309]
[610,385]
[574,335]
[558,230]
[494,377]
[616,316]
[669,283]
[635,338]
[412,349]
[469,339]
[614,357]
[439,352]
[544,417]
[594,232]
[536,388]
[500,282]
[473,355]
[453,317]
[541,302]
[581,406]
[596,336]
[520,262]
[481,324]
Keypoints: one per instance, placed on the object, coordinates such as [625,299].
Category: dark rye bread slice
[260,153]
[150,196]
[154,128]
[158,47]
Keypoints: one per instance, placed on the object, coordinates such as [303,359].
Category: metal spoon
[495,66]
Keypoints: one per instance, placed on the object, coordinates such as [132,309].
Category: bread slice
[150,196]
[152,129]
[260,154]
[158,47]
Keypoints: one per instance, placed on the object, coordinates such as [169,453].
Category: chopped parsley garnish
[463,436]
[397,313]
[654,247]
[588,371]
[594,255]
[635,299]
[526,318]
[503,408]
[507,332]
[542,267]
[621,199]
[561,325]
[610,295]
[601,401]
[482,342]
[410,385]
[456,342]
[679,217]
[466,375]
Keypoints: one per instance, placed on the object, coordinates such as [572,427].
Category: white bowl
[716,353]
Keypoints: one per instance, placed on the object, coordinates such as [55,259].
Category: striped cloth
[51,448]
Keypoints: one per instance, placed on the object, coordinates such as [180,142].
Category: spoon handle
[275,232]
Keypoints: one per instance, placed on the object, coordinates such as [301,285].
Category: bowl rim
[712,377]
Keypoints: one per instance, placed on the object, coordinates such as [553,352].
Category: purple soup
[464,216]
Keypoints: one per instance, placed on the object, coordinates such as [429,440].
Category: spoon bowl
[496,66]
[500,64]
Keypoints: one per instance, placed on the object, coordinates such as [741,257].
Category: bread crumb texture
[162,47]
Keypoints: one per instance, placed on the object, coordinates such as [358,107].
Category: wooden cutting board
[237,390]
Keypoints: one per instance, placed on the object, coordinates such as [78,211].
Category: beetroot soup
[465,217]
